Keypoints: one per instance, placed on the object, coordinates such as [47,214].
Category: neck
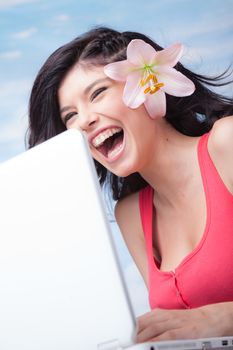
[172,167]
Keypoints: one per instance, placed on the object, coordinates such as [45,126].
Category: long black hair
[192,115]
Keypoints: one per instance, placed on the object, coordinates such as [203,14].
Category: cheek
[73,124]
[112,106]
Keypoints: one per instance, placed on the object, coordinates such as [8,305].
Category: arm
[128,219]
[213,320]
[221,149]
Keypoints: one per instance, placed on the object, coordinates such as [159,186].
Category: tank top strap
[212,180]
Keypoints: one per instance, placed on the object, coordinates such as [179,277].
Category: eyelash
[93,96]
[97,92]
[69,116]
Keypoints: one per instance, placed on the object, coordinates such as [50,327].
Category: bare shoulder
[128,218]
[221,136]
[125,206]
[221,149]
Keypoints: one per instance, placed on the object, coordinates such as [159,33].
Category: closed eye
[69,116]
[97,92]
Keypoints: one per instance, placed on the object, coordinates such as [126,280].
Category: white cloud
[14,88]
[58,22]
[206,25]
[9,3]
[12,133]
[25,34]
[62,18]
[10,55]
[13,114]
[14,130]
[206,53]
[200,48]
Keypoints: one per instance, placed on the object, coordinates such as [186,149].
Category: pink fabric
[205,275]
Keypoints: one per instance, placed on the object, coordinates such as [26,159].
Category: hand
[204,322]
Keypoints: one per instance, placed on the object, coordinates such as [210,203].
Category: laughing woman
[163,142]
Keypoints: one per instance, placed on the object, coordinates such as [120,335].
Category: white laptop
[61,287]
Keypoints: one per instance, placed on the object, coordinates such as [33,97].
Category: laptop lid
[60,282]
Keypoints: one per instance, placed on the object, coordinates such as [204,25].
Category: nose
[86,120]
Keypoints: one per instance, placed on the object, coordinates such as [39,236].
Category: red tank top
[204,276]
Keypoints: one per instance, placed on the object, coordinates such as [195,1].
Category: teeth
[100,138]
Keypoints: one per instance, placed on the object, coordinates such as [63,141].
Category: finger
[144,320]
[152,330]
[172,334]
[146,335]
[156,315]
[141,322]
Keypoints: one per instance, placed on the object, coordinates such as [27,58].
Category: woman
[159,139]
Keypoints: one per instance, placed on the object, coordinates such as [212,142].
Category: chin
[123,172]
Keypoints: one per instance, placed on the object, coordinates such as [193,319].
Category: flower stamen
[154,86]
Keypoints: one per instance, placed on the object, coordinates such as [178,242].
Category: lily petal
[149,74]
[118,70]
[133,95]
[169,56]
[156,104]
[175,83]
[140,53]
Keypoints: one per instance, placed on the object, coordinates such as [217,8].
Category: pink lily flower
[149,74]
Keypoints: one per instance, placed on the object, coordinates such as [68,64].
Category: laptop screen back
[60,283]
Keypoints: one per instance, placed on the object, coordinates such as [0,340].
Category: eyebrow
[86,91]
[89,87]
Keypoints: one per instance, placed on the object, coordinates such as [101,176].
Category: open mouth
[110,142]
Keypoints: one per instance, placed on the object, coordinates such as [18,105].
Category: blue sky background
[32,29]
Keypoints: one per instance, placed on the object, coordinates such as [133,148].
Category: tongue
[115,145]
[110,146]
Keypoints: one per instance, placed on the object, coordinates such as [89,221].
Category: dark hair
[192,115]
